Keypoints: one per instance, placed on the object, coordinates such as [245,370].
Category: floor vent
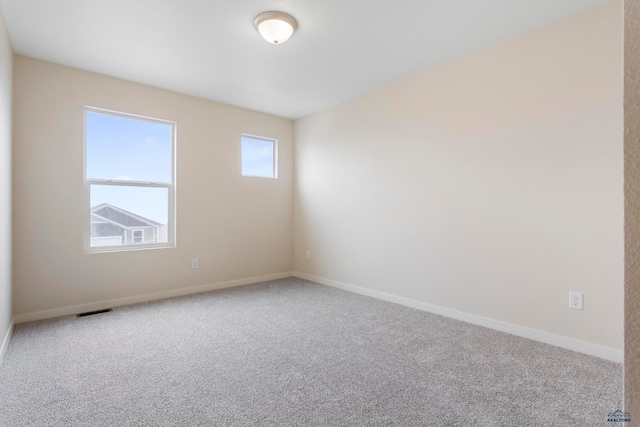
[89,313]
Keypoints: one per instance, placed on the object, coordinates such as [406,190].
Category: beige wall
[632,208]
[6,68]
[238,227]
[491,185]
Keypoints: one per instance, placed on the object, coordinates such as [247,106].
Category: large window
[129,181]
[259,156]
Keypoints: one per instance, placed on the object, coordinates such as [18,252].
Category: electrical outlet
[308,255]
[575,300]
[194,263]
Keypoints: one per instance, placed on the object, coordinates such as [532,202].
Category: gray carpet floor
[293,353]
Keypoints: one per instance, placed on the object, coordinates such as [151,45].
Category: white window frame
[170,186]
[274,155]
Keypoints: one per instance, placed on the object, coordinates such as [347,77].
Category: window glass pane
[124,215]
[138,236]
[258,157]
[127,149]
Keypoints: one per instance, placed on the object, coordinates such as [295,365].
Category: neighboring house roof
[101,228]
[106,213]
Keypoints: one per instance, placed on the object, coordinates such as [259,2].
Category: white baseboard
[117,302]
[5,342]
[521,331]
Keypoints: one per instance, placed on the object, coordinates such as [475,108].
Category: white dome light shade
[275,27]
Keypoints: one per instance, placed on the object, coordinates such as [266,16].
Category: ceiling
[210,49]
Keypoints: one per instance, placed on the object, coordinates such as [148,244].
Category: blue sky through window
[120,148]
[127,149]
[258,157]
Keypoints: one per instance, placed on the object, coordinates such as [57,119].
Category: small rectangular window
[138,236]
[129,176]
[259,156]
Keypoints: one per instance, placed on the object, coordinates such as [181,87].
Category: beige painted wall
[632,208]
[238,227]
[6,69]
[491,185]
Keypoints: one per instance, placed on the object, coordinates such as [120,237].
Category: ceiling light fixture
[275,27]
